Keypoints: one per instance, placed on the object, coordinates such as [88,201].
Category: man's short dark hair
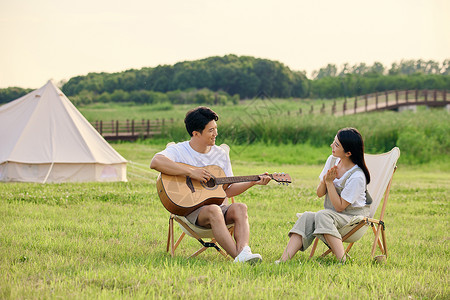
[197,118]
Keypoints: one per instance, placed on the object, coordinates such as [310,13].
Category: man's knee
[240,207]
[210,215]
[237,211]
[212,210]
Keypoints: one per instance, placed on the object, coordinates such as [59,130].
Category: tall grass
[423,136]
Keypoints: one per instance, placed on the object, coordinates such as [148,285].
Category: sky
[60,39]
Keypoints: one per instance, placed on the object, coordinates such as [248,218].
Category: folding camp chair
[381,168]
[199,233]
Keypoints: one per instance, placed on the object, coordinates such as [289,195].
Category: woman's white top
[354,191]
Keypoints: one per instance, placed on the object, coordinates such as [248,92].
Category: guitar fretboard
[234,179]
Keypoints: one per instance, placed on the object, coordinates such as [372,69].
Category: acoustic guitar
[181,195]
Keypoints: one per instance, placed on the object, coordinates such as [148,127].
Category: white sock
[246,249]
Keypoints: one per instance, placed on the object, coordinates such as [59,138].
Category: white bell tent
[44,138]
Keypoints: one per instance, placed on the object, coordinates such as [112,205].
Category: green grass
[107,240]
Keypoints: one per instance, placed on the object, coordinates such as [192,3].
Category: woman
[343,182]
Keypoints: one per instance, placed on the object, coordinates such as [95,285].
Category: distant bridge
[391,100]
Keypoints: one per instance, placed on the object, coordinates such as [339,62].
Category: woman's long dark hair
[351,140]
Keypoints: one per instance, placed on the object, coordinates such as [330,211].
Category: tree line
[12,93]
[360,79]
[221,80]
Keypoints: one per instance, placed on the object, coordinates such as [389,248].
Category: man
[201,151]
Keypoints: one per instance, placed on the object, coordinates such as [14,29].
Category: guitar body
[181,195]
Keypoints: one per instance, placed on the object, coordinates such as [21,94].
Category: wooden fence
[130,129]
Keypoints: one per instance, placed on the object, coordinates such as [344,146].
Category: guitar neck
[235,179]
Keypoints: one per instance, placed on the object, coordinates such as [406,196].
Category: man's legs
[211,216]
[237,214]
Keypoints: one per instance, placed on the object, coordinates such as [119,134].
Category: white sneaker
[246,255]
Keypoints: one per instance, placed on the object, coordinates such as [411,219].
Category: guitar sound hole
[210,183]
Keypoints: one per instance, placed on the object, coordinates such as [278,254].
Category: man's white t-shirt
[354,191]
[183,153]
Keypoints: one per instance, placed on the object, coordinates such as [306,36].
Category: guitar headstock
[283,178]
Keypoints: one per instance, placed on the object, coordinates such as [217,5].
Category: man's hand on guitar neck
[264,179]
[240,187]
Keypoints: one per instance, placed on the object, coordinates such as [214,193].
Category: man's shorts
[193,216]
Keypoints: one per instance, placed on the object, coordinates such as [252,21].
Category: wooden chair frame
[171,246]
[378,226]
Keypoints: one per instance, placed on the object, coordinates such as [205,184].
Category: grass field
[107,240]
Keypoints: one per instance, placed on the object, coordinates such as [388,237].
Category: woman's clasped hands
[331,174]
